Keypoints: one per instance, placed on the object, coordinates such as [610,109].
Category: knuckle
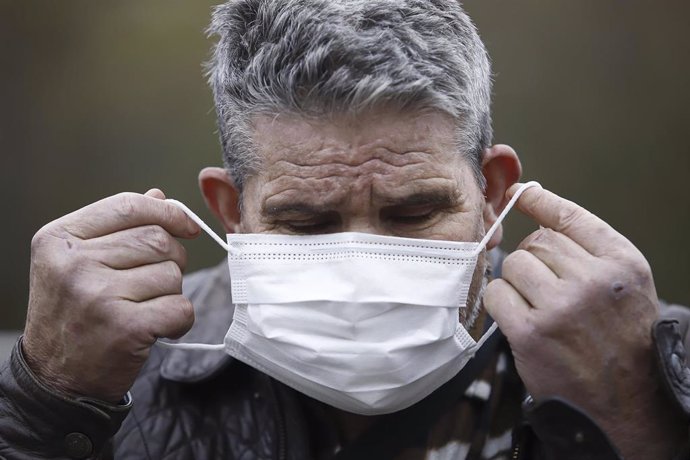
[635,276]
[59,268]
[640,269]
[569,216]
[614,282]
[173,272]
[49,235]
[544,237]
[158,239]
[126,205]
[181,256]
[40,239]
[529,240]
[538,238]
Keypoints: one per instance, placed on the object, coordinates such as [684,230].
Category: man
[354,116]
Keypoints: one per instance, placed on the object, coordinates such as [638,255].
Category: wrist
[650,427]
[566,432]
[39,368]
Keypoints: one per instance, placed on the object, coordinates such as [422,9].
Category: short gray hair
[322,57]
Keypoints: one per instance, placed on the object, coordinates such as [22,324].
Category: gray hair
[324,57]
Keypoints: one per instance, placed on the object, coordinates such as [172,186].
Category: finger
[137,246]
[155,193]
[128,210]
[506,306]
[149,281]
[168,316]
[530,277]
[561,254]
[563,216]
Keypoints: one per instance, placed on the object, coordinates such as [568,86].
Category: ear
[221,196]
[501,169]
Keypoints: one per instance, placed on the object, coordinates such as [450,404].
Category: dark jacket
[206,405]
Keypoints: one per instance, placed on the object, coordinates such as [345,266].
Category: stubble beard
[474,304]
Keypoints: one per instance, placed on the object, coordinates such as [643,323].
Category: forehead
[355,162]
[392,137]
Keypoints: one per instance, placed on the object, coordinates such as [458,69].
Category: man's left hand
[577,302]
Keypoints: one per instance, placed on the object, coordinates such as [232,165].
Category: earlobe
[501,168]
[221,197]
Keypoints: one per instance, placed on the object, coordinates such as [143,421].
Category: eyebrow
[443,198]
[298,208]
[431,197]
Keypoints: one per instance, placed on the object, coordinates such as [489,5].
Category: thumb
[169,316]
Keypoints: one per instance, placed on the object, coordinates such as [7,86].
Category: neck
[350,426]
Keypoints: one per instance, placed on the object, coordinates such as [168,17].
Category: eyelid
[413,210]
[306,222]
[308,229]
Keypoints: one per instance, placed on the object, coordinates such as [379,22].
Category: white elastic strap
[191,346]
[224,245]
[489,332]
[503,214]
[201,223]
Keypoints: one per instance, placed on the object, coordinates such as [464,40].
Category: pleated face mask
[366,323]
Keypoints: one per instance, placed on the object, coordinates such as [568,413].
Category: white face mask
[366,323]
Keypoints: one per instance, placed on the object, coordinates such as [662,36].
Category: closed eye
[319,224]
[304,228]
[413,215]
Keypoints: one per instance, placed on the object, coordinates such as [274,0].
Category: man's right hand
[105,283]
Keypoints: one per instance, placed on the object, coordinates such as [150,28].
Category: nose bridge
[361,213]
[363,224]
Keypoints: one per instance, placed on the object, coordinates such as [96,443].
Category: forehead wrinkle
[445,187]
[286,189]
[339,168]
[325,155]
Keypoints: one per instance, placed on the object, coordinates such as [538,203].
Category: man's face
[385,173]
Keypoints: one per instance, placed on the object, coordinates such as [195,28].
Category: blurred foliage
[102,97]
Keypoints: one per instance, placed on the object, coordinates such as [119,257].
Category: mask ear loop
[200,223]
[482,244]
[224,245]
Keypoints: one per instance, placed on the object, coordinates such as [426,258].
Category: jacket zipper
[516,452]
[282,435]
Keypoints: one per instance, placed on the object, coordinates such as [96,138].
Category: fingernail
[193,227]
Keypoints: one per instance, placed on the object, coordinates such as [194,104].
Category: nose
[364,224]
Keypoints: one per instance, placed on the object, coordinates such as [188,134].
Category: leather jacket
[205,405]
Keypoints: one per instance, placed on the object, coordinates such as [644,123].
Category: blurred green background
[103,97]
